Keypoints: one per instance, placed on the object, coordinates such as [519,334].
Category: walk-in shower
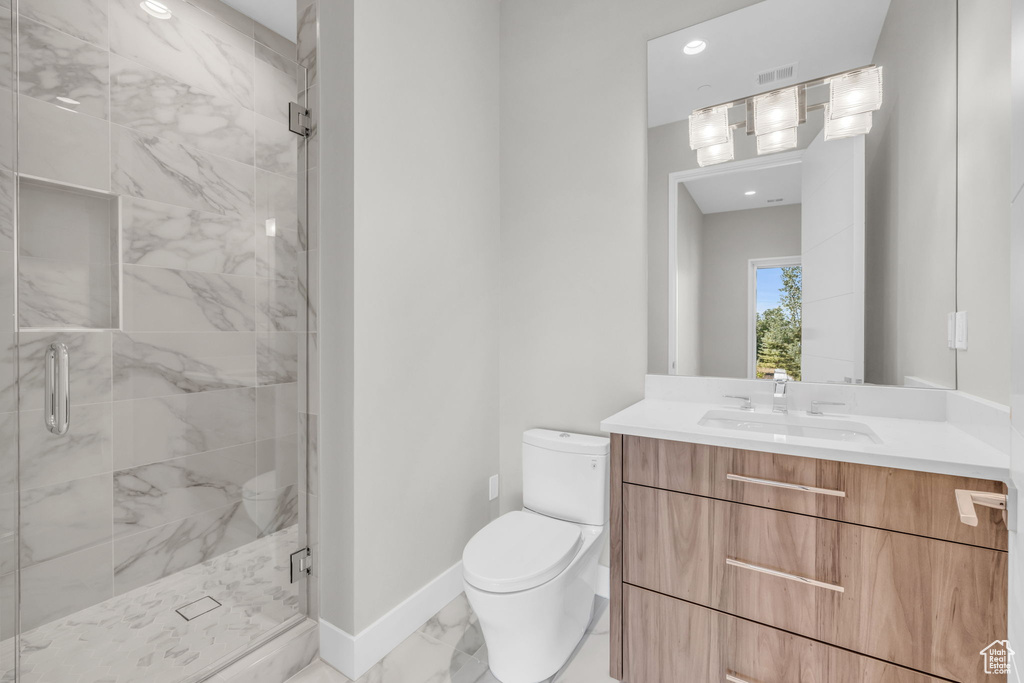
[153,319]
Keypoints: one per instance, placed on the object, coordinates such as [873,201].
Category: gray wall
[573,211]
[983,218]
[731,239]
[415,320]
[910,220]
[689,268]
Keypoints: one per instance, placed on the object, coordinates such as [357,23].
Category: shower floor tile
[138,636]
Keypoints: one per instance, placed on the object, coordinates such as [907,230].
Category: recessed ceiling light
[155,9]
[750,193]
[695,47]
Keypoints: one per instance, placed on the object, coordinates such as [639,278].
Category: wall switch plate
[961,330]
[492,487]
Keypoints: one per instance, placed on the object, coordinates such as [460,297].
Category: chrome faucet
[780,403]
[816,406]
[747,405]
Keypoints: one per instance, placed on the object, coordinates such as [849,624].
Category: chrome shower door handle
[57,392]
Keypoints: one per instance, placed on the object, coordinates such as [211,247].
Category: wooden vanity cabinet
[736,578]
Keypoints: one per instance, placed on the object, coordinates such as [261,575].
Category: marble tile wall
[185,439]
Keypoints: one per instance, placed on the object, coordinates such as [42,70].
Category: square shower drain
[197,608]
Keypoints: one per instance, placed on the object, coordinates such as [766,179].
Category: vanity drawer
[671,641]
[918,503]
[922,603]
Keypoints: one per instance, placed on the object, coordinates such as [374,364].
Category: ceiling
[279,16]
[725,191]
[822,36]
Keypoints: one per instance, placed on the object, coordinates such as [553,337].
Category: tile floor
[138,636]
[450,649]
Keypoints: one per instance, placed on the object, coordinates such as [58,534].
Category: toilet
[531,575]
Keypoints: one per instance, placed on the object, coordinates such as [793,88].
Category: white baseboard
[604,581]
[354,655]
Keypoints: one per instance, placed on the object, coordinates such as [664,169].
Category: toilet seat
[519,551]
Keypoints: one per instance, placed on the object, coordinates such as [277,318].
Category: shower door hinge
[298,120]
[302,564]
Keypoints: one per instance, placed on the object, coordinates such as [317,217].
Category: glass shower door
[158,252]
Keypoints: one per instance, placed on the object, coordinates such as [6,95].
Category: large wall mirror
[802,172]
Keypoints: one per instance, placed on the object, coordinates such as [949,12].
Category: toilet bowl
[259,498]
[531,575]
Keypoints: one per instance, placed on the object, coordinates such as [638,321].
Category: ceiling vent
[776,75]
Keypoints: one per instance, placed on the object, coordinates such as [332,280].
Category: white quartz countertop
[921,445]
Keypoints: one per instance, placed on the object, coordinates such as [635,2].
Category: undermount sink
[790,425]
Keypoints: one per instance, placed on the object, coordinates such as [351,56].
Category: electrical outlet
[961,330]
[492,487]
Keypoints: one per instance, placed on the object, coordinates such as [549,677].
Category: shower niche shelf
[69,257]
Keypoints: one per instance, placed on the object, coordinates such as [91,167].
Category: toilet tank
[565,475]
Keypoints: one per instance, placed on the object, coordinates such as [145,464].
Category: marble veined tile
[54,65]
[179,48]
[276,42]
[85,450]
[64,518]
[7,185]
[277,410]
[418,659]
[278,305]
[276,146]
[89,354]
[64,146]
[155,104]
[277,357]
[456,625]
[153,168]
[85,19]
[319,672]
[6,49]
[165,300]
[276,83]
[156,234]
[156,553]
[153,495]
[306,39]
[156,429]
[63,586]
[279,455]
[283,514]
[166,363]
[58,293]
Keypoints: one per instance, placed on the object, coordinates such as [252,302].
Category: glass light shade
[709,127]
[717,154]
[775,111]
[856,92]
[846,126]
[778,141]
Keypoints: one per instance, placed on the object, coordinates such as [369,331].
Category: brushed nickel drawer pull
[732,679]
[784,485]
[783,575]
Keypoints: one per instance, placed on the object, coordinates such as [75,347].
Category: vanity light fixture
[155,9]
[775,116]
[846,126]
[777,141]
[709,127]
[717,154]
[695,47]
[856,92]
[776,111]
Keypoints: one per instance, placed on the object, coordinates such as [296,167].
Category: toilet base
[531,634]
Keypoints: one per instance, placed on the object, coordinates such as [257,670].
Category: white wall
[832,249]
[910,221]
[731,239]
[573,210]
[689,254]
[983,217]
[418,435]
